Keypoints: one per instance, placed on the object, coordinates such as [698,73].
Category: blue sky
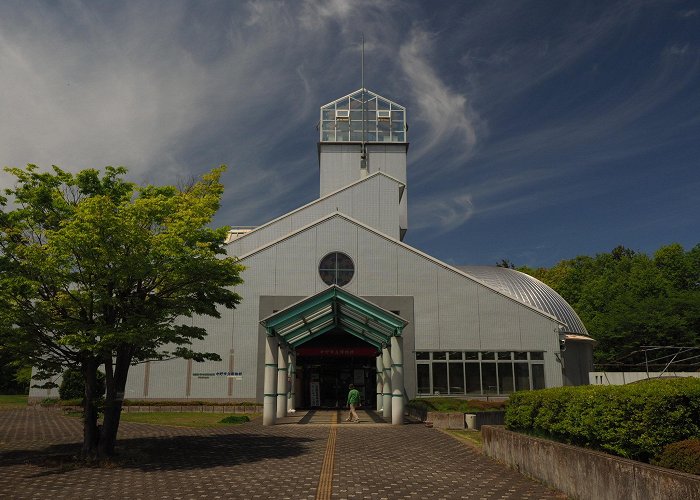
[539,130]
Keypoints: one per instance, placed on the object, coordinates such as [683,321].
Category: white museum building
[333,296]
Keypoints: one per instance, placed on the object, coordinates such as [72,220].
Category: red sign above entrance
[339,352]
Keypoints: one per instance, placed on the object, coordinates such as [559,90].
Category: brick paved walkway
[365,460]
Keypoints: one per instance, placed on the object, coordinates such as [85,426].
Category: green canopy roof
[330,309]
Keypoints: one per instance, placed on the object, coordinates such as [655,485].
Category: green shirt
[353,397]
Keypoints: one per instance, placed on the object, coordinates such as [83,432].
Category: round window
[336,269]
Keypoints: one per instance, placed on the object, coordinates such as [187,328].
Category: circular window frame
[335,269]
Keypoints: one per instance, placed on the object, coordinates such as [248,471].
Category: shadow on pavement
[174,452]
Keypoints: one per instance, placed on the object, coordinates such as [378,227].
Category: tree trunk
[91,433]
[116,383]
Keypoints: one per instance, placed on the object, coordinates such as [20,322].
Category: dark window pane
[520,355]
[422,355]
[488,377]
[537,355]
[439,355]
[456,378]
[328,277]
[423,379]
[503,355]
[473,378]
[537,376]
[455,355]
[488,355]
[505,378]
[344,262]
[328,262]
[344,278]
[471,355]
[522,377]
[439,378]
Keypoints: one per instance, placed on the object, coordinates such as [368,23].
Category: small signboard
[315,394]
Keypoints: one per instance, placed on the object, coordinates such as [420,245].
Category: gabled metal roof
[330,309]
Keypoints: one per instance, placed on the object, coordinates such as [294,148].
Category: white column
[270,382]
[291,377]
[397,402]
[386,379]
[282,381]
[380,384]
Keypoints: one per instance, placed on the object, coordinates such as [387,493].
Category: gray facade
[468,334]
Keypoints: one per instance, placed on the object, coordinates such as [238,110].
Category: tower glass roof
[342,120]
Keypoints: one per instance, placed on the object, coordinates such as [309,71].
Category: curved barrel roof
[530,291]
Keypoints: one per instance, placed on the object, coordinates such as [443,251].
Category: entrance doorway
[326,366]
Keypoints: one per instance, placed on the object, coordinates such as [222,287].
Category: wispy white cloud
[447,115]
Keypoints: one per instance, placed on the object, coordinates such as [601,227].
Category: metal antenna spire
[363,154]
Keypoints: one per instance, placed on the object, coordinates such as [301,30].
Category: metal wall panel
[373,202]
[417,276]
[295,264]
[537,332]
[376,269]
[498,317]
[166,379]
[459,311]
[339,165]
[134,383]
[389,158]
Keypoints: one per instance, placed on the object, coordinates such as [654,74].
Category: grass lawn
[13,401]
[180,419]
[472,437]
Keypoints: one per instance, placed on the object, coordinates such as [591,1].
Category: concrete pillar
[397,402]
[380,384]
[291,403]
[270,381]
[386,380]
[282,381]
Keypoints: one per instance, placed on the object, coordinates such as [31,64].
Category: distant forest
[628,300]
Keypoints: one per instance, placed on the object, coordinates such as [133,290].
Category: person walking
[353,401]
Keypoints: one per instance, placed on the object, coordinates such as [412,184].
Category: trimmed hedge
[683,456]
[634,421]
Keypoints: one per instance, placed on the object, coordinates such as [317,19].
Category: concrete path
[309,456]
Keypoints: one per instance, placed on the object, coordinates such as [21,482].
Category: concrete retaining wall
[442,420]
[586,474]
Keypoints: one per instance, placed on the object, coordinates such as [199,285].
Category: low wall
[585,474]
[443,420]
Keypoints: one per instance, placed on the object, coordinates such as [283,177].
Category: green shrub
[73,385]
[682,456]
[634,421]
[235,419]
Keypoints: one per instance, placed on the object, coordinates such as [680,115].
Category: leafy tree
[96,271]
[628,299]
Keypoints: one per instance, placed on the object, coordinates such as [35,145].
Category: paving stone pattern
[371,460]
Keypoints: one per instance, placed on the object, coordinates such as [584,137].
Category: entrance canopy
[330,309]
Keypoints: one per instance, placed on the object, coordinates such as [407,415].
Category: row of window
[472,372]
